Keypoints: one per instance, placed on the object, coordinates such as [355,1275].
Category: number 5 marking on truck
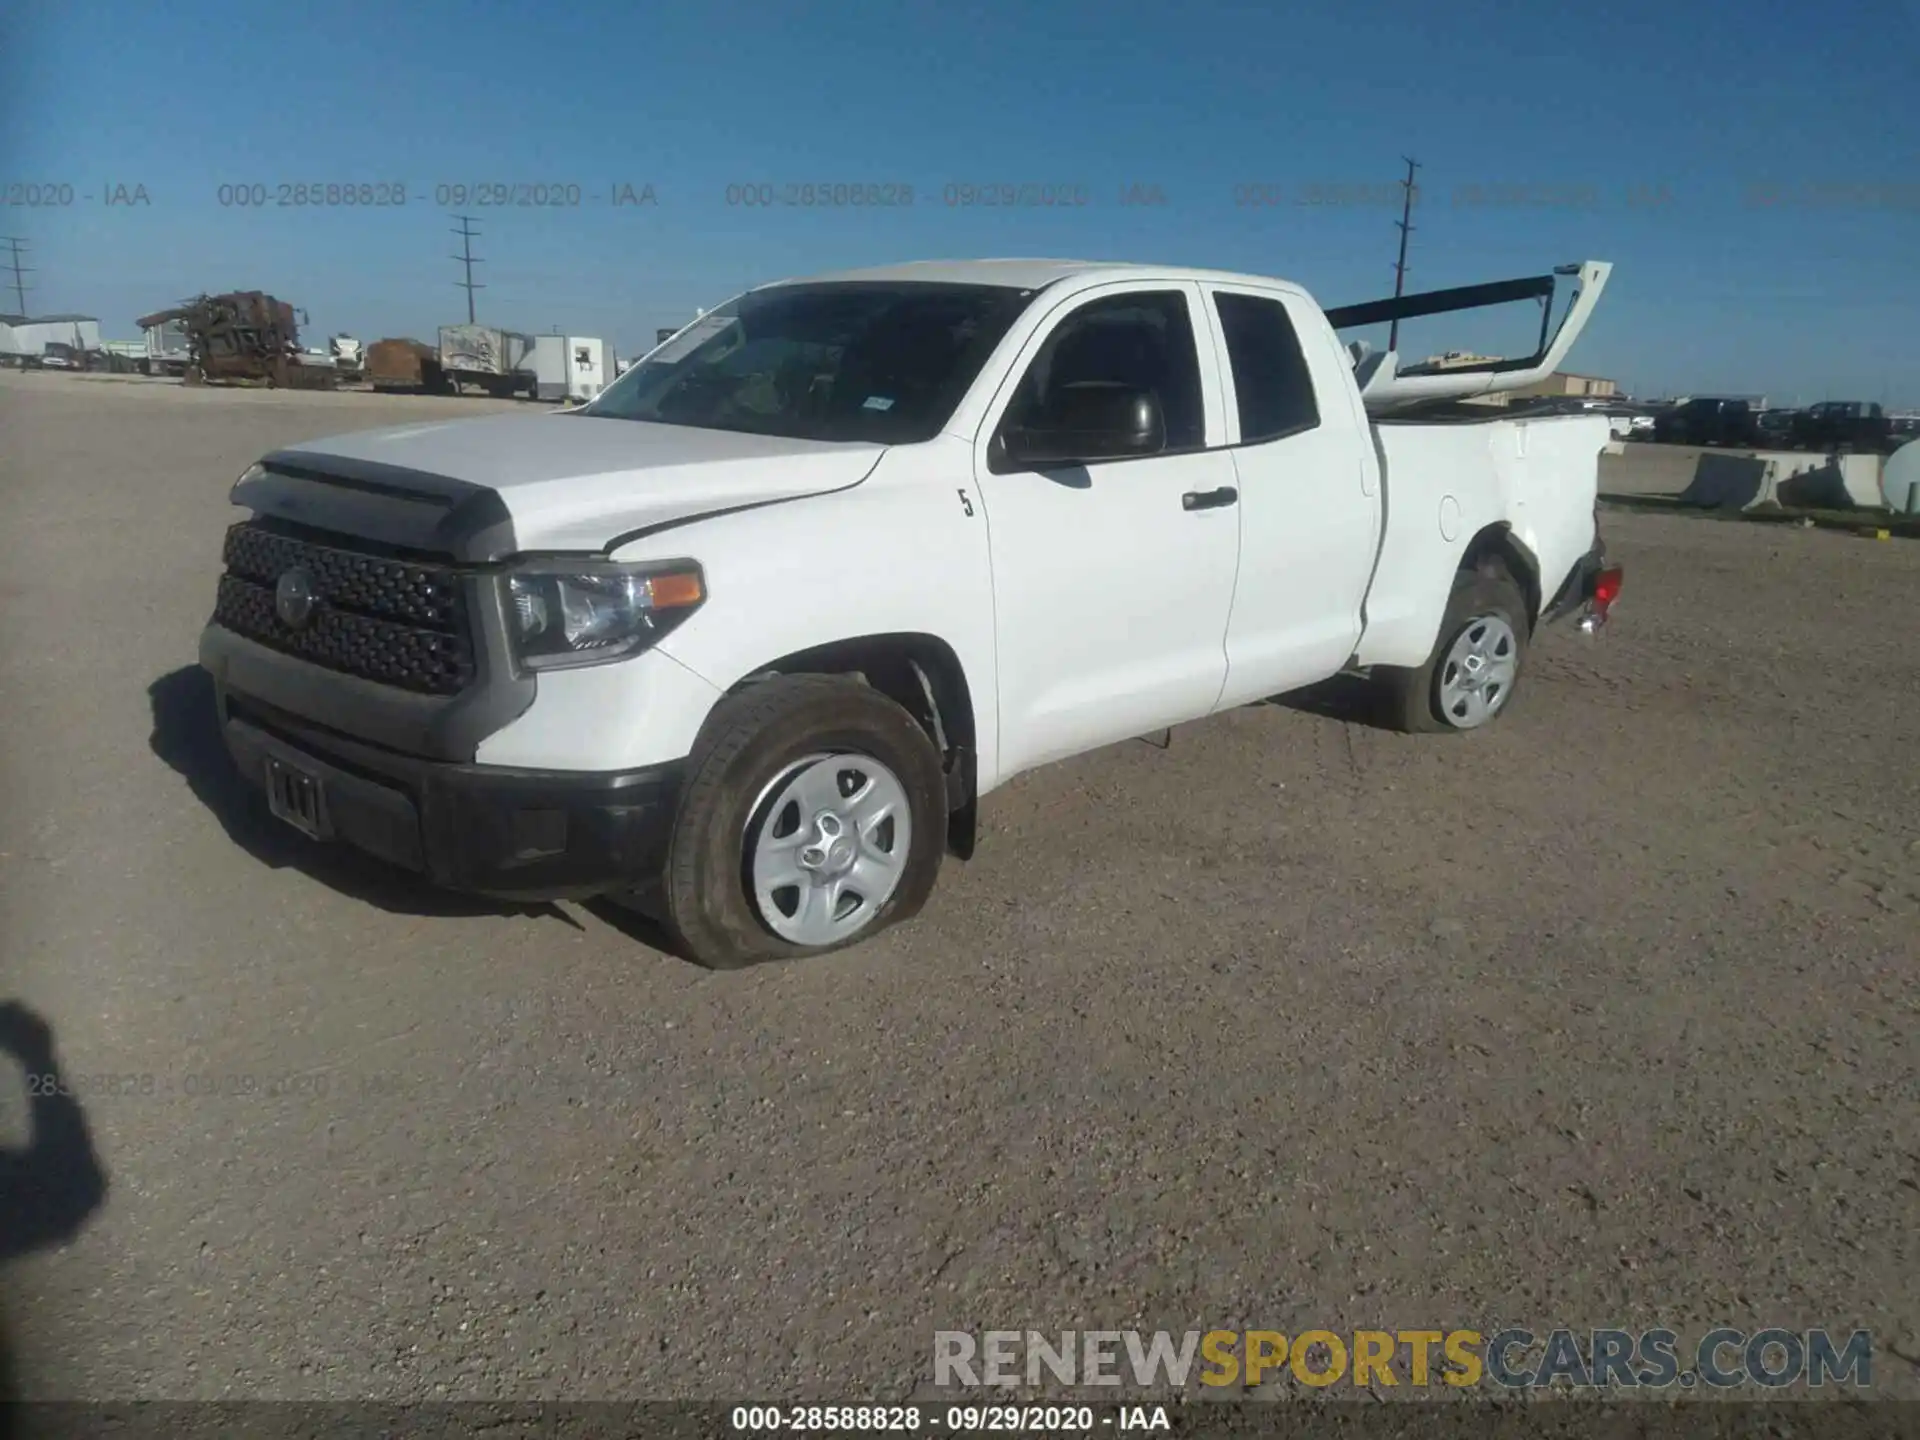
[965,503]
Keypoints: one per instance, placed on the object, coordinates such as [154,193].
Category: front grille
[398,622]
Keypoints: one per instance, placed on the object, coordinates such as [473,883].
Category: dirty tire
[751,738]
[1412,697]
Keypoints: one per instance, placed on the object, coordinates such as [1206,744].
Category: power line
[466,257]
[1405,223]
[19,285]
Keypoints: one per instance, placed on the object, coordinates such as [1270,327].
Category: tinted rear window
[1270,380]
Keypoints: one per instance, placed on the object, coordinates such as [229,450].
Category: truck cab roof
[1023,274]
[1384,388]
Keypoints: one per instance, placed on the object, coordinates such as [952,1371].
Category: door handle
[1209,499]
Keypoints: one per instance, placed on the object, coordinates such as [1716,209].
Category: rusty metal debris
[405,364]
[243,337]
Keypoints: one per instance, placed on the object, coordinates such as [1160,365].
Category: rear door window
[1272,386]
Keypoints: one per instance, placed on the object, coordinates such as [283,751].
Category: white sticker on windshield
[690,339]
[878,402]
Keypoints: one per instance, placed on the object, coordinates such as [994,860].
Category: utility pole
[1400,266]
[19,285]
[466,257]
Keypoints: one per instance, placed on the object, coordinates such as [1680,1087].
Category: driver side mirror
[1093,420]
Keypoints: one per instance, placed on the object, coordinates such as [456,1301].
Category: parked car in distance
[1776,426]
[1705,420]
[1842,425]
[61,356]
[1629,422]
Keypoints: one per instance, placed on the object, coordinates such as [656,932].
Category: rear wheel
[1471,677]
[814,816]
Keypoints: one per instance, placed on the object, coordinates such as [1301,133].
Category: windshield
[846,360]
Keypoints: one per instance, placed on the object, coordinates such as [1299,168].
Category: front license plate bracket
[297,797]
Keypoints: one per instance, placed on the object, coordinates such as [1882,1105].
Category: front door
[1112,581]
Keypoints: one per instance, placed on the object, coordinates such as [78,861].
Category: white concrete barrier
[1727,482]
[1785,477]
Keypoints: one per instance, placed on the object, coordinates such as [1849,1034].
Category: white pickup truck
[746,639]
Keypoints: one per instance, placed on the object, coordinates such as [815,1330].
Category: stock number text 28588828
[832,194]
[308,195]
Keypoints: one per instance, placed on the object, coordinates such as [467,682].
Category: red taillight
[1606,587]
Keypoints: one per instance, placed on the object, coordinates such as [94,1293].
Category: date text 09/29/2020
[558,1085]
[953,195]
[950,1419]
[396,194]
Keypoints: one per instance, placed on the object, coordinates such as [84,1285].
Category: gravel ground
[1605,1017]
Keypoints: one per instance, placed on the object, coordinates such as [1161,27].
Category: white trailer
[24,338]
[166,349]
[570,367]
[498,361]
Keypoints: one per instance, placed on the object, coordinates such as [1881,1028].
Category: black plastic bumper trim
[510,833]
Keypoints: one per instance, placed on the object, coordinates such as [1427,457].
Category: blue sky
[1630,132]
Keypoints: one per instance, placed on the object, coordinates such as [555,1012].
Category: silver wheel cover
[1477,675]
[826,846]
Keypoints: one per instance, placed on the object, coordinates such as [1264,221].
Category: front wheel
[1471,677]
[814,817]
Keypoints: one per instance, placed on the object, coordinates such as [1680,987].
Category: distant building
[1566,383]
[1561,384]
[1458,360]
[24,335]
[1454,360]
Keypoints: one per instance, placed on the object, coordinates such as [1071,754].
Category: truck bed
[1452,478]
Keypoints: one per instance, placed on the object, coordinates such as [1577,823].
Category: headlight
[583,613]
[253,472]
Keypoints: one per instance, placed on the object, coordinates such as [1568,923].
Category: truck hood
[500,485]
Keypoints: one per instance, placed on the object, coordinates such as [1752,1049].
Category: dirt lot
[1605,1017]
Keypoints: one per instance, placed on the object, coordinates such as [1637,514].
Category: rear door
[586,367]
[1309,502]
[1112,581]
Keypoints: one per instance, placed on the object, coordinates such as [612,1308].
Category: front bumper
[486,829]
[1589,592]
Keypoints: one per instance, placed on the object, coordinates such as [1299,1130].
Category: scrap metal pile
[405,364]
[243,337]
